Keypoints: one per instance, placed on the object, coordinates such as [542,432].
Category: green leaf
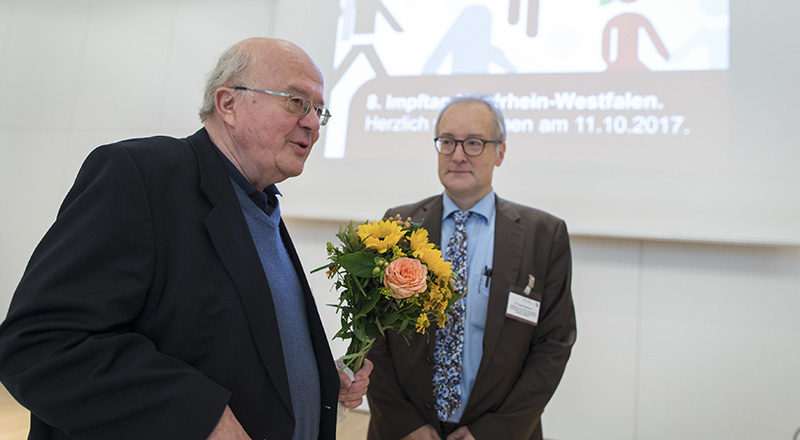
[358,333]
[369,304]
[371,330]
[390,319]
[325,267]
[359,264]
[349,238]
[403,325]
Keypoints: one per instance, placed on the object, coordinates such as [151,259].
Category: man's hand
[228,428]
[425,432]
[461,433]
[351,392]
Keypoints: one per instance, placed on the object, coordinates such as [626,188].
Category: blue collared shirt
[480,253]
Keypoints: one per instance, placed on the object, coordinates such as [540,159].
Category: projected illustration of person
[533,15]
[469,42]
[627,26]
[359,17]
[367,12]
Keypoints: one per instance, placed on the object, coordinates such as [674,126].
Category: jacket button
[428,406]
[428,359]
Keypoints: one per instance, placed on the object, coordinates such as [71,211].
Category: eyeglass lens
[472,146]
[301,107]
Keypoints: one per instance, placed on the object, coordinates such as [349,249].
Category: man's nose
[460,155]
[310,120]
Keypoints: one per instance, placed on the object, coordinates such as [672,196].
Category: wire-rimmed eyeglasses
[472,146]
[295,104]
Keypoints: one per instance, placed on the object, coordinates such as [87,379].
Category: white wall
[676,340]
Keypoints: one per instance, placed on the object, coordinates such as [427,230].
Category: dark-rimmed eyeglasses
[295,104]
[472,146]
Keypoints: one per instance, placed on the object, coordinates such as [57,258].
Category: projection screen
[651,119]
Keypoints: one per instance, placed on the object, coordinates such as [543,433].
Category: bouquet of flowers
[389,277]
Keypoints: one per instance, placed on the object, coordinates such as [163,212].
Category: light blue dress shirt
[480,252]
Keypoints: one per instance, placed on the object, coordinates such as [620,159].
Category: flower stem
[357,352]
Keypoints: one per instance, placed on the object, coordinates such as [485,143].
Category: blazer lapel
[508,240]
[229,233]
[432,219]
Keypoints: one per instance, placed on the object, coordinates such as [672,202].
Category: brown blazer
[521,365]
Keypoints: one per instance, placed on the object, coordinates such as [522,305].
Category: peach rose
[405,277]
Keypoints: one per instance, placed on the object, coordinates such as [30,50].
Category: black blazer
[145,309]
[521,364]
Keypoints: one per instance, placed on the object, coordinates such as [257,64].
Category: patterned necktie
[449,341]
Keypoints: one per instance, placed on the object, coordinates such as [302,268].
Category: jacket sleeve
[517,417]
[68,348]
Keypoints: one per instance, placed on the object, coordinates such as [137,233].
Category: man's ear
[501,154]
[224,104]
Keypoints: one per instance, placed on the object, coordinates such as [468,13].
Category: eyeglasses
[296,104]
[472,146]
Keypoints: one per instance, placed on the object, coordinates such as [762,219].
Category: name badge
[523,309]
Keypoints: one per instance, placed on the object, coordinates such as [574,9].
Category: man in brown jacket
[519,320]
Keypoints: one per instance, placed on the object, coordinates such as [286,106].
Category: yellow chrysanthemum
[422,323]
[380,236]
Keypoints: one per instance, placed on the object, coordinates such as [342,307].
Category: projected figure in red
[469,43]
[514,8]
[627,26]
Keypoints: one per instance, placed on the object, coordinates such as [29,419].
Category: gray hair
[498,121]
[232,64]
